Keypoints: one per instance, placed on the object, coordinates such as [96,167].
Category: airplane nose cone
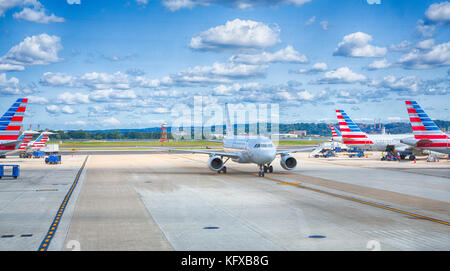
[264,156]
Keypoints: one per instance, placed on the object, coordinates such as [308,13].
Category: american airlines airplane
[427,134]
[258,150]
[10,126]
[353,136]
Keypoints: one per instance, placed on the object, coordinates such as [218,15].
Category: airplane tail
[335,132]
[351,134]
[11,121]
[424,129]
[25,139]
[41,140]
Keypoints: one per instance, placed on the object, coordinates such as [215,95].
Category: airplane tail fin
[25,139]
[11,121]
[351,133]
[335,132]
[41,140]
[423,127]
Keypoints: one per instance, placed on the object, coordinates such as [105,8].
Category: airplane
[427,134]
[10,126]
[354,137]
[258,150]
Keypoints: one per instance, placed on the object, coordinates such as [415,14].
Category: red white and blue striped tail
[25,139]
[41,140]
[11,121]
[335,132]
[351,134]
[424,129]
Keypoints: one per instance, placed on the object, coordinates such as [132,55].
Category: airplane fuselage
[252,149]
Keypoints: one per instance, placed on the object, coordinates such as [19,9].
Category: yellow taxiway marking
[299,185]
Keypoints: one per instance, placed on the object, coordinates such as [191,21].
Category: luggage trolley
[9,171]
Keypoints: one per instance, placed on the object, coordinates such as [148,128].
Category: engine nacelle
[215,163]
[288,162]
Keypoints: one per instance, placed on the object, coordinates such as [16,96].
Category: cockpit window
[265,145]
[257,146]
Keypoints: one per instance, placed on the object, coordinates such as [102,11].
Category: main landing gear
[264,169]
[223,170]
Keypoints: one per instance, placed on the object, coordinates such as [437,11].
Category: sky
[98,64]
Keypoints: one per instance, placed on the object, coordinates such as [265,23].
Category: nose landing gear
[264,169]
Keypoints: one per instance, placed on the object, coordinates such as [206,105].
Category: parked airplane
[353,137]
[427,134]
[10,126]
[258,150]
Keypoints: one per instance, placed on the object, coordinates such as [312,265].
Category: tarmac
[169,201]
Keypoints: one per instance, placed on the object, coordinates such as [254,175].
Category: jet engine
[215,163]
[288,162]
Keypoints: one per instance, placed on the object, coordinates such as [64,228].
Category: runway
[166,201]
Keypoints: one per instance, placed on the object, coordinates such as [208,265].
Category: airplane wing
[283,152]
[210,153]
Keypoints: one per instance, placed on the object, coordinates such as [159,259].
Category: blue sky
[124,64]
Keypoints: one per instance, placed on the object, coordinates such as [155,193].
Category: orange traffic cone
[414,161]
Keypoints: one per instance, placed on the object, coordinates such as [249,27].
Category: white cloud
[142,2]
[342,75]
[174,5]
[217,73]
[76,122]
[11,86]
[52,109]
[425,44]
[286,55]
[72,2]
[318,67]
[5,5]
[37,16]
[92,80]
[439,12]
[35,50]
[402,84]
[436,56]
[371,2]
[379,64]
[324,25]
[55,109]
[311,20]
[57,79]
[236,34]
[67,110]
[425,30]
[357,45]
[111,94]
[11,67]
[97,80]
[111,121]
[231,89]
[72,98]
[401,47]
[37,100]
